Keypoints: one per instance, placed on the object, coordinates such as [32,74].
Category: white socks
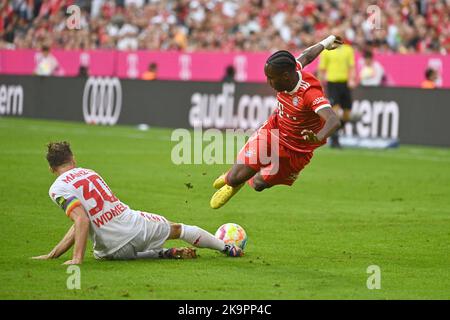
[200,238]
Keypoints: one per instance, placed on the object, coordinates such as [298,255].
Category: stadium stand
[224,25]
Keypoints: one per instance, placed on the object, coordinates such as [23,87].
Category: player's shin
[200,238]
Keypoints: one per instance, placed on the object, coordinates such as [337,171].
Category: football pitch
[350,209]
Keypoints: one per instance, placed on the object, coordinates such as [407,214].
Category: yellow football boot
[220,181]
[223,195]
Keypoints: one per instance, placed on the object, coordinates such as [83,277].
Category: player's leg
[290,165]
[345,100]
[258,183]
[346,104]
[127,252]
[248,163]
[233,181]
[335,101]
[237,175]
[168,253]
[201,238]
[149,242]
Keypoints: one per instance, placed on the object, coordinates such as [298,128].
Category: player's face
[276,79]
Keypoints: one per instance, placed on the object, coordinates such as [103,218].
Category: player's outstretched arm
[81,224]
[65,244]
[329,43]
[332,123]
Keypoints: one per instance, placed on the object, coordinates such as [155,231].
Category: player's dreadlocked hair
[58,153]
[282,60]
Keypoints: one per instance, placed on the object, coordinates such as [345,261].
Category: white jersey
[113,223]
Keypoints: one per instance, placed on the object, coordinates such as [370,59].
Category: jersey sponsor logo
[102,100]
[11,100]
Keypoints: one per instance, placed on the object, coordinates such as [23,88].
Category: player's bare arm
[81,225]
[65,244]
[311,53]
[332,123]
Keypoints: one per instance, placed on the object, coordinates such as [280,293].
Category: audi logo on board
[102,100]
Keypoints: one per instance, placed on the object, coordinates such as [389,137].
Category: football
[232,233]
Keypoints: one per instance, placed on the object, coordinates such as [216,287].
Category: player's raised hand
[309,136]
[336,43]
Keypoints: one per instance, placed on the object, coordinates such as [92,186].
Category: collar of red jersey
[297,86]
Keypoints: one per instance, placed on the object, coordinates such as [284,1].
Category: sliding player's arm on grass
[81,226]
[311,53]
[65,244]
[77,234]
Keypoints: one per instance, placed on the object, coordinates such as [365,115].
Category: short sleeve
[63,199]
[315,99]
[299,66]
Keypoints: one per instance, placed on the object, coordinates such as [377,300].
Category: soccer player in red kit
[301,123]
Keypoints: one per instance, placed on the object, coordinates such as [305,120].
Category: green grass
[348,210]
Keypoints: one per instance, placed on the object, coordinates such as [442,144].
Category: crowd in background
[226,25]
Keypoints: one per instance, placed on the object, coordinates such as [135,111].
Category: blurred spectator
[83,72]
[151,73]
[372,72]
[229,74]
[225,25]
[46,64]
[430,79]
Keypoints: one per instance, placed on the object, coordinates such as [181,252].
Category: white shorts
[152,236]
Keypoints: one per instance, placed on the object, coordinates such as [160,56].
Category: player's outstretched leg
[230,183]
[168,253]
[220,181]
[258,183]
[202,239]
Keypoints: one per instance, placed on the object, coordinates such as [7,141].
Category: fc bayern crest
[295,101]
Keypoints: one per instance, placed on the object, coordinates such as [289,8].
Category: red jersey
[297,110]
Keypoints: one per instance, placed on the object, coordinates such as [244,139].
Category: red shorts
[276,163]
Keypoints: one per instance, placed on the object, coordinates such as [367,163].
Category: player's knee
[259,184]
[175,231]
[233,179]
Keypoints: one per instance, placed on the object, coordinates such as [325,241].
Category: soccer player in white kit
[117,231]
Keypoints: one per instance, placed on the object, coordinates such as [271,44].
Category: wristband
[327,41]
